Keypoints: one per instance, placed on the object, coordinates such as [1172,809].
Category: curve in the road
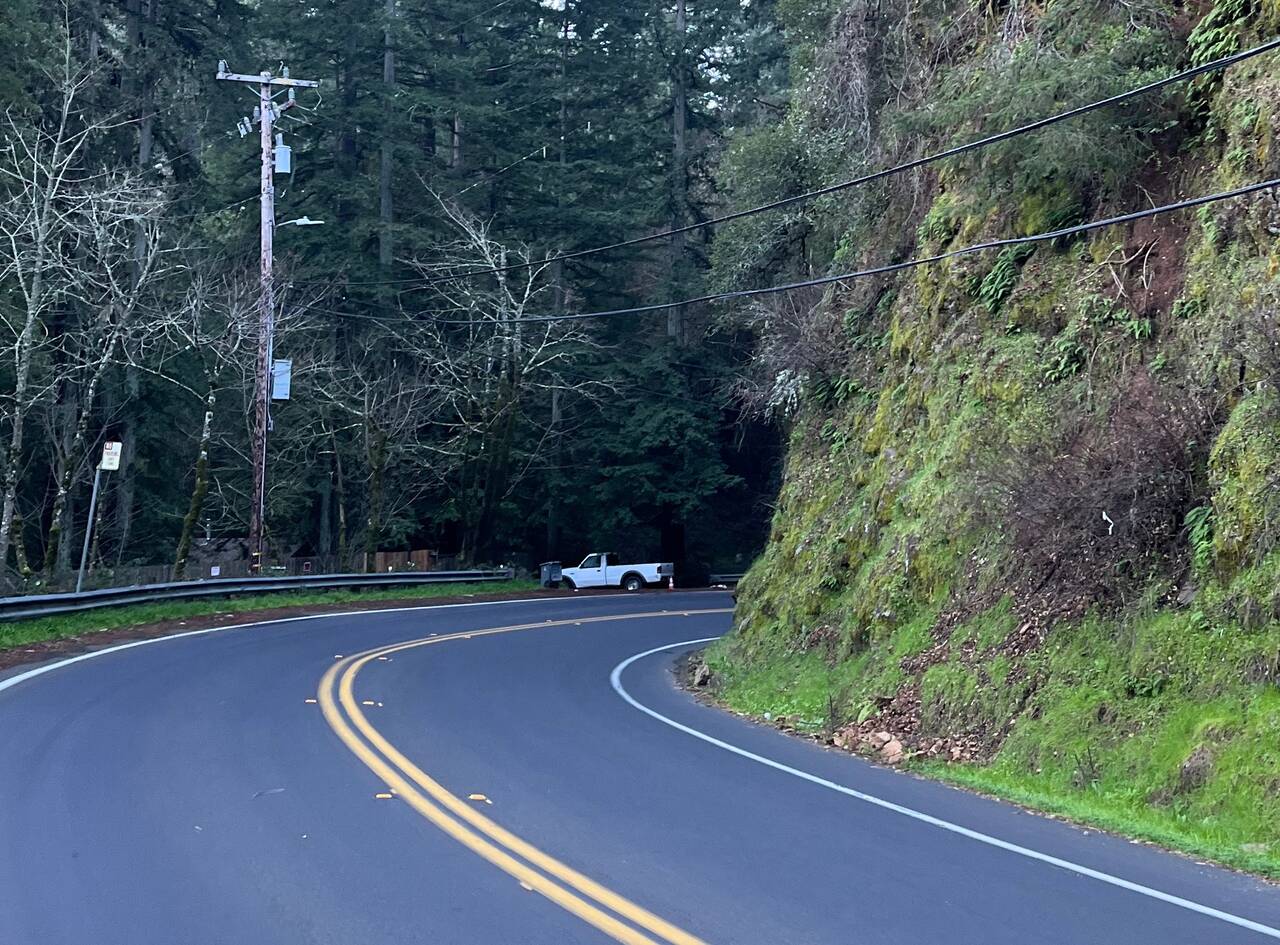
[186,793]
[467,825]
[615,678]
[29,674]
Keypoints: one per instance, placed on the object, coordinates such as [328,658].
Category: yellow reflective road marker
[466,824]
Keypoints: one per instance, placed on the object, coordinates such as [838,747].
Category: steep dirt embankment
[1031,520]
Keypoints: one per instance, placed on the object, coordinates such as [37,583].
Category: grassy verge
[1131,788]
[1113,814]
[25,632]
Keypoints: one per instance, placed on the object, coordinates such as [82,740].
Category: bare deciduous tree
[65,226]
[495,370]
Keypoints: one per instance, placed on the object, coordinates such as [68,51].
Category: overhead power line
[1184,76]
[483,13]
[895,267]
[541,149]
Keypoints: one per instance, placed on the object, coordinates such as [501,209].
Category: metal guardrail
[50,605]
[726,578]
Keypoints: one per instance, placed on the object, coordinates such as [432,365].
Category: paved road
[185,792]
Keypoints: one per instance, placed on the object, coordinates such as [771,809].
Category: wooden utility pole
[266,113]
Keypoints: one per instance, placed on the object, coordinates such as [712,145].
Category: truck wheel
[632,582]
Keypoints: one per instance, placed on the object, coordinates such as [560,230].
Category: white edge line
[616,679]
[12,681]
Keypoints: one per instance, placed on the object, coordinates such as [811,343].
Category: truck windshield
[590,561]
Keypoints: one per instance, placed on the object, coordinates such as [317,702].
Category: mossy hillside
[892,577]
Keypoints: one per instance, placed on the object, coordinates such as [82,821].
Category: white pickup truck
[601,569]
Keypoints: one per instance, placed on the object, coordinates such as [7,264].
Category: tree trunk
[340,503]
[324,530]
[20,548]
[385,207]
[496,473]
[679,174]
[192,519]
[428,136]
[554,480]
[557,267]
[140,86]
[455,148]
[377,451]
[127,489]
[64,449]
[466,485]
[346,156]
[560,299]
[17,421]
[62,562]
[95,32]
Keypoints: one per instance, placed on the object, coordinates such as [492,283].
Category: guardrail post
[88,528]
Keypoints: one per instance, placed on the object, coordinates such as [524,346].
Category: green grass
[25,632]
[1111,812]
[1122,705]
[795,689]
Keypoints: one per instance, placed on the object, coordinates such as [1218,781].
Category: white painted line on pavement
[616,679]
[93,654]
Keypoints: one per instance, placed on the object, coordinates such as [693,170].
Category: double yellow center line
[563,885]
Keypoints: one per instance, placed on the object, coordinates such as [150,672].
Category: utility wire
[542,149]
[1214,66]
[483,13]
[894,267]
[208,213]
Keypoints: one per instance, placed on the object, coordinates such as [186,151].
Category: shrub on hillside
[1098,508]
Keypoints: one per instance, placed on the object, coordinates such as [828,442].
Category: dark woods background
[446,136]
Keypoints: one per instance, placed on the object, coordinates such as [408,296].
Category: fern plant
[999,282]
[1199,526]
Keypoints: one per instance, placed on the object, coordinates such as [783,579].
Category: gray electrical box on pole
[284,156]
[281,378]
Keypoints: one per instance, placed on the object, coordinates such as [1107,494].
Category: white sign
[215,570]
[281,379]
[110,456]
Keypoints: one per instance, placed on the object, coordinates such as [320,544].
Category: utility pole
[266,114]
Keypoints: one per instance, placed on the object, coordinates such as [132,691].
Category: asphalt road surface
[512,774]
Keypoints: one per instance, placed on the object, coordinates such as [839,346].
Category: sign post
[110,461]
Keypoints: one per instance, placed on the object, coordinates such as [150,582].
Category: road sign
[110,456]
